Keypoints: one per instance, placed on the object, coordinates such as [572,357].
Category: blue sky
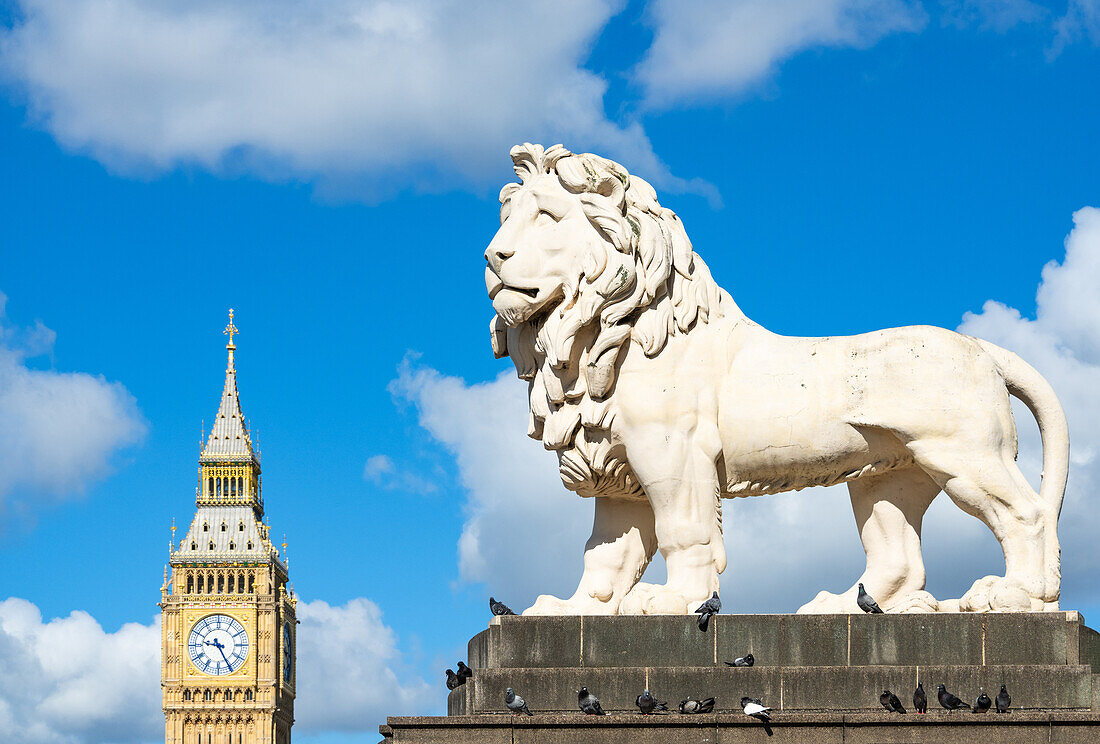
[330,170]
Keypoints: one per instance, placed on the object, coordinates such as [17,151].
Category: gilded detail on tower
[228,612]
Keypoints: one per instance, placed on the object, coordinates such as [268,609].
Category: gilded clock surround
[226,564]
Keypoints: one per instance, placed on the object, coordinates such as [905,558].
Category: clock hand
[221,649]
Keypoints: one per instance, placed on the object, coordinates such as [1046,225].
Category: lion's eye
[544,215]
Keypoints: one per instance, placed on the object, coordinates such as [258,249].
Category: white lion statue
[661,398]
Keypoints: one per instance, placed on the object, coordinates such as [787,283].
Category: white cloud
[718,48]
[1063,343]
[1081,21]
[67,681]
[58,430]
[364,96]
[994,15]
[351,674]
[523,532]
[519,515]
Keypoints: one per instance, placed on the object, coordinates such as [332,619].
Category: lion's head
[586,260]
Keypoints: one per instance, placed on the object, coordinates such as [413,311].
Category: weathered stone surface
[625,729]
[937,727]
[919,639]
[1031,687]
[844,688]
[1088,650]
[941,727]
[477,650]
[670,640]
[526,642]
[782,640]
[1040,640]
[725,685]
[555,689]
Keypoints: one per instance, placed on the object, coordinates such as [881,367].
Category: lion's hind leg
[889,509]
[988,485]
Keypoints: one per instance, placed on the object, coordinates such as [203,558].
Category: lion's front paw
[655,599]
[547,604]
[997,594]
[915,603]
[827,603]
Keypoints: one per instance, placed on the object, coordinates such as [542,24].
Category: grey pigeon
[1003,700]
[647,703]
[890,701]
[706,705]
[464,672]
[983,703]
[589,703]
[920,700]
[708,609]
[867,603]
[453,680]
[499,608]
[515,703]
[948,700]
[742,661]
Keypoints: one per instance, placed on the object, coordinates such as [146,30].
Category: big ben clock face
[218,645]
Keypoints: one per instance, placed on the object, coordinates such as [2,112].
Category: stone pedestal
[821,674]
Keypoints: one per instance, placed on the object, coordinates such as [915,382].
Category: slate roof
[229,440]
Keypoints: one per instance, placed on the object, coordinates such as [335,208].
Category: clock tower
[228,626]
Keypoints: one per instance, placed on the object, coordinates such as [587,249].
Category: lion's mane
[643,284]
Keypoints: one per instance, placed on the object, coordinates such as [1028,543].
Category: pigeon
[499,608]
[1003,700]
[647,703]
[867,603]
[590,704]
[515,703]
[753,707]
[689,706]
[464,672]
[708,609]
[948,700]
[920,700]
[742,661]
[890,701]
[981,705]
[453,680]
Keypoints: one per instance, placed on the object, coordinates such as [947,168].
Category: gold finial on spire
[173,528]
[229,331]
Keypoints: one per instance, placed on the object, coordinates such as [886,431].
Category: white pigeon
[755,709]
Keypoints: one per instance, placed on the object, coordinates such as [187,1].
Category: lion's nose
[495,254]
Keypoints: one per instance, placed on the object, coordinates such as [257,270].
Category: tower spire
[229,463]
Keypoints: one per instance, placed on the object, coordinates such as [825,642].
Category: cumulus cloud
[1062,341]
[718,48]
[351,674]
[516,511]
[994,15]
[370,96]
[58,430]
[67,681]
[1080,22]
[794,543]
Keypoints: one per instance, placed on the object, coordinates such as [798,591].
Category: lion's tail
[1025,382]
